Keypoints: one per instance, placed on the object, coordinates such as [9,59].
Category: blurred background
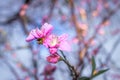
[93,27]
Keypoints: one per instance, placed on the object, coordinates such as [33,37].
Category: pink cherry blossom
[54,42]
[40,33]
[54,58]
[51,41]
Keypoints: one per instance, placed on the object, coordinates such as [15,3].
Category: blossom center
[40,40]
[54,41]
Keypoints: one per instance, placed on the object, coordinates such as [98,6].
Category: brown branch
[53,2]
[34,61]
[74,20]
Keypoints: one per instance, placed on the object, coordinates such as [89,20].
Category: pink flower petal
[30,37]
[46,28]
[65,46]
[51,41]
[39,32]
[63,37]
[34,33]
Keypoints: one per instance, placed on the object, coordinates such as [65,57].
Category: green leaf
[93,65]
[84,78]
[100,72]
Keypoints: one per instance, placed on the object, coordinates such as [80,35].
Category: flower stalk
[71,68]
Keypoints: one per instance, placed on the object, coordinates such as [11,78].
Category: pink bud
[22,12]
[101,32]
[25,6]
[54,58]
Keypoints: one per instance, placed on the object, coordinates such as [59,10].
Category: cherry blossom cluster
[53,42]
